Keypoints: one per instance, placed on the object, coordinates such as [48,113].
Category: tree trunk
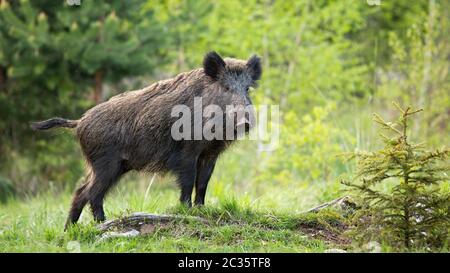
[427,62]
[98,86]
[2,77]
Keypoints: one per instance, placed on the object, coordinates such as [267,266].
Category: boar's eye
[247,89]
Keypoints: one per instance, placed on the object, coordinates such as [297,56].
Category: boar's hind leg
[205,168]
[80,199]
[106,173]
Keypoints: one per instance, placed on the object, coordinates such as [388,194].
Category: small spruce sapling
[403,190]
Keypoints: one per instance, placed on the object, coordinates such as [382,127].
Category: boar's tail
[53,123]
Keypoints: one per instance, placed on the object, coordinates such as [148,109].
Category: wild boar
[134,131]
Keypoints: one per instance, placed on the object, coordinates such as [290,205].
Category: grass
[232,225]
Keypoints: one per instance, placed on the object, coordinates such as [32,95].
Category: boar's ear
[213,64]
[254,67]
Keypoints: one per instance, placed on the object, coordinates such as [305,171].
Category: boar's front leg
[205,168]
[186,178]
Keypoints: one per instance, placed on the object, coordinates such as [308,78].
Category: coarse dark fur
[132,131]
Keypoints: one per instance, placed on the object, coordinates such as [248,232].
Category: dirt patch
[151,228]
[333,235]
[147,229]
[326,235]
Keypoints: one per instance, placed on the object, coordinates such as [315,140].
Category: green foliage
[307,150]
[382,20]
[7,190]
[401,190]
[300,42]
[419,74]
[315,53]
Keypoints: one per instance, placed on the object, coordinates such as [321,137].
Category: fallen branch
[139,219]
[343,203]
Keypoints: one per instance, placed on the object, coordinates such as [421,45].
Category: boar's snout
[243,124]
[244,119]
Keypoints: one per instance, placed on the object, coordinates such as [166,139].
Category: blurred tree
[52,55]
[186,22]
[419,72]
[388,16]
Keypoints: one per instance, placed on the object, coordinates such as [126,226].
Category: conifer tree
[404,202]
[55,57]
